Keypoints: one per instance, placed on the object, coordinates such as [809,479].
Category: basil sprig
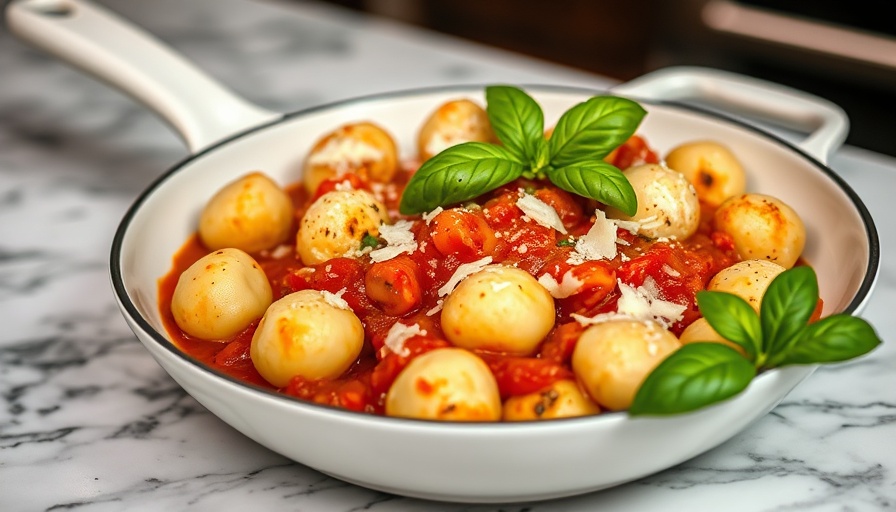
[704,373]
[572,158]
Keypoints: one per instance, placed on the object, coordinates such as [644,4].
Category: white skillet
[228,136]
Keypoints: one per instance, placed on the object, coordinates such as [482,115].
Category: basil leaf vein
[733,318]
[692,377]
[829,340]
[598,180]
[457,174]
[517,120]
[593,128]
[787,305]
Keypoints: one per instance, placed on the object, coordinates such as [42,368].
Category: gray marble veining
[90,422]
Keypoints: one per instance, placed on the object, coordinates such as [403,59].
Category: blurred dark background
[842,51]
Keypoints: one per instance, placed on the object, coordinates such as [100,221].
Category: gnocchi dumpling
[612,359]
[334,225]
[747,279]
[700,331]
[251,213]
[363,148]
[762,227]
[220,295]
[667,203]
[452,123]
[711,167]
[499,309]
[449,384]
[308,333]
[562,399]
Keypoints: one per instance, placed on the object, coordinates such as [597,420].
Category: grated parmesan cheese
[335,299]
[399,239]
[345,152]
[398,334]
[462,272]
[540,212]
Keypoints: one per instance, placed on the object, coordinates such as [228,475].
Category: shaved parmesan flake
[644,302]
[568,285]
[427,217]
[335,299]
[462,272]
[641,304]
[435,309]
[400,333]
[671,271]
[399,239]
[280,251]
[541,212]
[598,244]
[629,225]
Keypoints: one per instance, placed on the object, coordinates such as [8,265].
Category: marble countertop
[90,422]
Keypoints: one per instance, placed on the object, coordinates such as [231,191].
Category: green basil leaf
[733,318]
[787,305]
[592,129]
[832,339]
[457,174]
[598,180]
[694,376]
[517,119]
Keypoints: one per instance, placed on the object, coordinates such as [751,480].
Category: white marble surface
[90,422]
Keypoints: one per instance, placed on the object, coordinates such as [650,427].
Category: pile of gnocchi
[527,303]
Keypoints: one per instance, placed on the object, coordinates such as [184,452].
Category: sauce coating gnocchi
[220,295]
[526,303]
[308,333]
[448,384]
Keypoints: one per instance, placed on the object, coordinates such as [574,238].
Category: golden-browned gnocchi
[309,333]
[220,295]
[363,148]
[711,167]
[700,331]
[747,279]
[500,309]
[612,358]
[562,399]
[667,203]
[762,227]
[251,213]
[334,225]
[449,384]
[452,123]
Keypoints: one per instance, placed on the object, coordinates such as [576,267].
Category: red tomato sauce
[497,229]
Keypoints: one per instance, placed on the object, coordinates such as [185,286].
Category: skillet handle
[825,123]
[112,49]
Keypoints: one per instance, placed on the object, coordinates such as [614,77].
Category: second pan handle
[825,123]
